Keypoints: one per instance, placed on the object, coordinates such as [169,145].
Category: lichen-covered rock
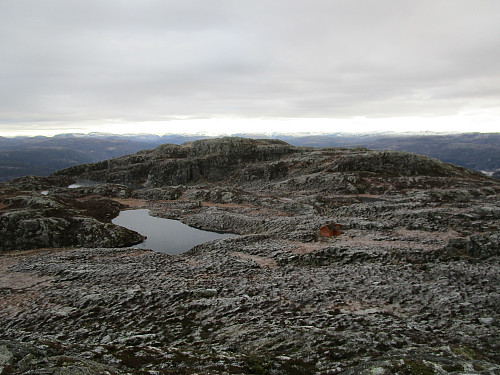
[231,306]
[156,194]
[22,358]
[276,165]
[212,160]
[29,229]
[106,190]
[480,246]
[396,163]
[37,183]
[31,221]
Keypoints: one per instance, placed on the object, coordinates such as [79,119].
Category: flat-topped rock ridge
[241,161]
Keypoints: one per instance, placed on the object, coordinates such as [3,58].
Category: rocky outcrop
[38,221]
[21,358]
[279,179]
[37,183]
[24,229]
[264,164]
[397,163]
[232,307]
[210,160]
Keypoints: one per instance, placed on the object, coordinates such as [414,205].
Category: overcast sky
[167,66]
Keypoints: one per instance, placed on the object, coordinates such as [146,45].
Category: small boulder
[330,230]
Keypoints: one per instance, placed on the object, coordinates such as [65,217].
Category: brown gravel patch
[261,261]
[132,253]
[248,209]
[225,205]
[23,280]
[307,247]
[137,253]
[415,234]
[131,202]
[19,290]
[31,252]
[387,244]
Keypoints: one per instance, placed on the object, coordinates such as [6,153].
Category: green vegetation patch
[413,367]
[466,352]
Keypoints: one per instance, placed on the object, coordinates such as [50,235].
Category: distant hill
[478,151]
[40,156]
[21,156]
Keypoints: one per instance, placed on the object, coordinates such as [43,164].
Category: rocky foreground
[411,286]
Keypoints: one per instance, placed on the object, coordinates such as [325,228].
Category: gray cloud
[143,60]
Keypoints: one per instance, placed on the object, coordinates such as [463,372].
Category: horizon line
[243,134]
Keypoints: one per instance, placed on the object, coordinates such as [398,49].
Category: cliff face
[253,162]
[410,286]
[206,160]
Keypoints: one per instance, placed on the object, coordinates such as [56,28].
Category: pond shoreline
[164,235]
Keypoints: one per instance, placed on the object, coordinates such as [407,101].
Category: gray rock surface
[30,221]
[211,159]
[411,286]
[258,162]
[237,305]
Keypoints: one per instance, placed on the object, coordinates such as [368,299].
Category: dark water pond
[165,235]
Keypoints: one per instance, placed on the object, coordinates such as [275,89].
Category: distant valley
[40,156]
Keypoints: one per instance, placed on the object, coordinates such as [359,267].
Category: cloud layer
[154,60]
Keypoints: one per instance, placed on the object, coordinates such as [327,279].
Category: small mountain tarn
[164,235]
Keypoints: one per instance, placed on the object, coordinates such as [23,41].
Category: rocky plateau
[410,286]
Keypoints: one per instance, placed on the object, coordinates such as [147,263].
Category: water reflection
[165,235]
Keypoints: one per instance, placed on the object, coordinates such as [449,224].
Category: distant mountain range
[21,156]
